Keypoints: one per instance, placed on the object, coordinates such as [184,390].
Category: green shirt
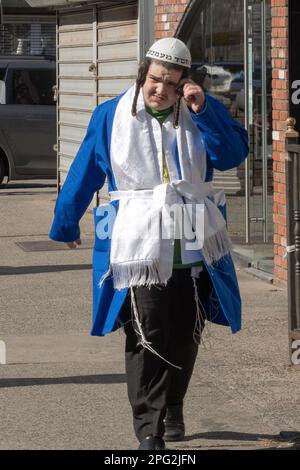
[161,117]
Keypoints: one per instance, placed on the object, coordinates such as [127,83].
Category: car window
[2,73]
[33,86]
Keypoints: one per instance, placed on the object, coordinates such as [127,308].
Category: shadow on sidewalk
[14,270]
[83,379]
[28,184]
[285,439]
[24,193]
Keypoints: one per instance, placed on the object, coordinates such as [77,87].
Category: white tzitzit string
[199,321]
[143,341]
[199,331]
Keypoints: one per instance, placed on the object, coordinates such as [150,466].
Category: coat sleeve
[225,140]
[84,178]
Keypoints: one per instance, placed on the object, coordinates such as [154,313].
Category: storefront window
[23,39]
[216,44]
[230,40]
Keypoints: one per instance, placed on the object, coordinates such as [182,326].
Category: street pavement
[63,389]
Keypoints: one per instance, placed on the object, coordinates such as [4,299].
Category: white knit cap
[170,50]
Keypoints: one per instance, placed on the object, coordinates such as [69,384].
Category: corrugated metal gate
[97,60]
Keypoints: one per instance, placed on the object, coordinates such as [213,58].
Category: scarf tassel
[136,273]
[216,246]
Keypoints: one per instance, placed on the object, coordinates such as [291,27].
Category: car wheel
[2,169]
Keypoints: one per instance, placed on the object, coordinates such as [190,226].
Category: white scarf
[137,147]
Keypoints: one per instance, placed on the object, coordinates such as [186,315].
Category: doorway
[230,42]
[258,120]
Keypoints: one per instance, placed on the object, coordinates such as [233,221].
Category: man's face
[160,86]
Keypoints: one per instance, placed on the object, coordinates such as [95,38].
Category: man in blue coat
[161,260]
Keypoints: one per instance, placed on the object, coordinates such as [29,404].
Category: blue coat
[226,143]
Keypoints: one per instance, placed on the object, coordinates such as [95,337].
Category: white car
[217,79]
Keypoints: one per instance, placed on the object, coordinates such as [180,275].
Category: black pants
[167,315]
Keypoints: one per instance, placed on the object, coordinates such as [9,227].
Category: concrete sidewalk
[62,389]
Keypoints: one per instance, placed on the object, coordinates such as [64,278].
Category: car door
[30,119]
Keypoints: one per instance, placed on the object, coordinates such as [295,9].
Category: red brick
[281,230]
[280,22]
[279,63]
[282,210]
[283,33]
[279,3]
[276,239]
[280,198]
[279,219]
[279,177]
[284,115]
[174,10]
[281,251]
[280,273]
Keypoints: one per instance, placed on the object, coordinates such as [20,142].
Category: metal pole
[290,238]
[291,146]
[57,105]
[145,26]
[246,94]
[1,13]
[296,202]
[264,121]
[2,29]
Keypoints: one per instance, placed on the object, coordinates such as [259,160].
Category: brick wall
[168,13]
[280,95]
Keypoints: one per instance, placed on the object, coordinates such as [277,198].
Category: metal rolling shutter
[97,60]
[117,50]
[27,35]
[76,84]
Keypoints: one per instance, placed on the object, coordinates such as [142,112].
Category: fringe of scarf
[146,272]
[216,246]
[134,273]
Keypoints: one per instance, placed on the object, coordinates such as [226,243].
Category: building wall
[168,13]
[280,98]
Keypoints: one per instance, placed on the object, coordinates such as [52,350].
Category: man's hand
[193,95]
[74,244]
